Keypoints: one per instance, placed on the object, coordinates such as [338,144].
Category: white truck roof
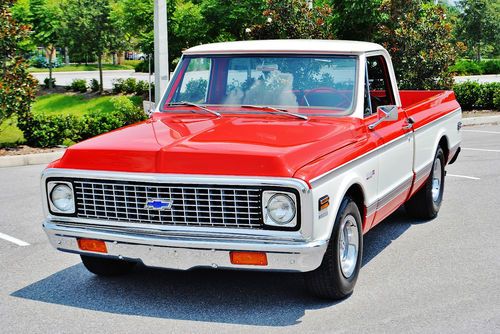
[285,46]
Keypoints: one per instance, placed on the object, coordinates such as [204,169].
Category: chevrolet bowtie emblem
[159,204]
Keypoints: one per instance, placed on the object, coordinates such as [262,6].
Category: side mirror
[385,113]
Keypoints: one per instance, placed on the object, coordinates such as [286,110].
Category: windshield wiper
[199,106]
[276,110]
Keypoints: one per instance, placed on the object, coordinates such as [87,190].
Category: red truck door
[394,140]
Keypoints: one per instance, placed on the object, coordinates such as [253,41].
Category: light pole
[161,49]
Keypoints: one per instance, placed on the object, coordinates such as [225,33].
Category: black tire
[102,266]
[328,280]
[422,205]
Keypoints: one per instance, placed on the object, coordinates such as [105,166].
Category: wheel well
[443,143]
[355,192]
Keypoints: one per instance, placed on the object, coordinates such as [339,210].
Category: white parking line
[480,150]
[463,176]
[482,131]
[13,240]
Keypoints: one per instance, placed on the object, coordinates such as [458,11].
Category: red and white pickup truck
[263,155]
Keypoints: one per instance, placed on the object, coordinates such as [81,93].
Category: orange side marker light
[249,258]
[92,245]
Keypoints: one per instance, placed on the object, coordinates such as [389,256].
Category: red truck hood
[256,145]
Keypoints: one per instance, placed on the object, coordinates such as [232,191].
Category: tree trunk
[114,58]
[66,56]
[51,50]
[120,58]
[99,63]
[50,74]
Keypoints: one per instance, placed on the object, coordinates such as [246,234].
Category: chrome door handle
[409,123]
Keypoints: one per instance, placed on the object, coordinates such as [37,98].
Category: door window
[378,90]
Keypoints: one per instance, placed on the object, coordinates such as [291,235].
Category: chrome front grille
[207,206]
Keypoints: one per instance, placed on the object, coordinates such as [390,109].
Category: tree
[479,24]
[356,20]
[17,86]
[45,20]
[189,27]
[121,38]
[292,19]
[229,19]
[417,34]
[88,26]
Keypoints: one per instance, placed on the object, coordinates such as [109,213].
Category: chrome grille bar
[216,206]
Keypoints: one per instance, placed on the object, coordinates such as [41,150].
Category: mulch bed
[23,149]
[480,113]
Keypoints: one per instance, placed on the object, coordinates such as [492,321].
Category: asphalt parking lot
[440,276]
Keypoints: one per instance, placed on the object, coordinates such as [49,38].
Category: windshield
[306,84]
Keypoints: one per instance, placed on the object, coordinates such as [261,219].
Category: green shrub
[40,61]
[496,102]
[143,66]
[49,131]
[491,66]
[469,67]
[473,95]
[125,113]
[96,123]
[487,93]
[142,87]
[128,111]
[94,85]
[118,86]
[466,67]
[79,85]
[46,82]
[129,85]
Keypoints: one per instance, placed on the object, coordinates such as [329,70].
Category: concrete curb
[481,120]
[29,159]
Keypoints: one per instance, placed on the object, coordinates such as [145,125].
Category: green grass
[59,104]
[65,104]
[90,67]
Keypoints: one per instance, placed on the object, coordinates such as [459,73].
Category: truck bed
[414,98]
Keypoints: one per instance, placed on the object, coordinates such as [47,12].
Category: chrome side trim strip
[404,186]
[328,175]
[389,197]
[423,172]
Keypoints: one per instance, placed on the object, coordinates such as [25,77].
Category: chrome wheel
[436,180]
[348,245]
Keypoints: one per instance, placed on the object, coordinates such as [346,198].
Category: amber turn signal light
[249,258]
[92,245]
[324,202]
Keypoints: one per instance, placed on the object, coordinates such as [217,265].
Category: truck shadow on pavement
[235,297]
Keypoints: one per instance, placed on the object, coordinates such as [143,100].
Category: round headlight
[281,209]
[62,198]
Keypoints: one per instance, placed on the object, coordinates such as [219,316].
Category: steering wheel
[343,103]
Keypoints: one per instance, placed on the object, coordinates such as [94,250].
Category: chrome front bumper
[184,252]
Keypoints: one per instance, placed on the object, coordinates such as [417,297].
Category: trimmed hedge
[132,86]
[469,67]
[473,95]
[50,131]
